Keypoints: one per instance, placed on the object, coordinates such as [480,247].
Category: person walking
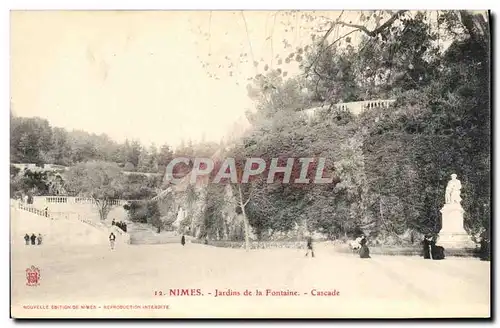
[39,239]
[27,239]
[183,240]
[112,239]
[33,239]
[364,251]
[310,246]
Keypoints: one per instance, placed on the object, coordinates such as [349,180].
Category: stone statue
[453,233]
[453,191]
[180,214]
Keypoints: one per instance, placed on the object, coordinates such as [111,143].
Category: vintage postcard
[250,164]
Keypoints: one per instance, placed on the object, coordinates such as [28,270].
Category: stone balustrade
[124,237]
[355,107]
[60,168]
[33,210]
[75,200]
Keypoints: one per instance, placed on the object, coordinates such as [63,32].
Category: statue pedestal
[453,234]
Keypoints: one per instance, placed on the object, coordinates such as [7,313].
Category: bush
[253,244]
[144,212]
[137,211]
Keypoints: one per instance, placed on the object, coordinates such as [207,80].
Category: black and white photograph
[229,164]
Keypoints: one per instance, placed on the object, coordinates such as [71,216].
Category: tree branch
[326,48]
[210,34]
[379,29]
[330,30]
[272,33]
[249,42]
[357,27]
[249,196]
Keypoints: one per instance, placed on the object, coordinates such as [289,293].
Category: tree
[139,186]
[29,182]
[436,127]
[153,213]
[144,161]
[164,157]
[31,139]
[153,158]
[60,147]
[134,152]
[101,181]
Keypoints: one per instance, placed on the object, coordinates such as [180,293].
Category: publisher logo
[32,276]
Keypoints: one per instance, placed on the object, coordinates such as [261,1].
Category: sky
[140,75]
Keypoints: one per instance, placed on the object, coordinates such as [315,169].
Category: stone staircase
[72,217]
[137,233]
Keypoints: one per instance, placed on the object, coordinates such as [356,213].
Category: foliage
[101,181]
[29,182]
[33,140]
[139,186]
[144,212]
[390,165]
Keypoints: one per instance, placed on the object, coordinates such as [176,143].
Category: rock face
[200,209]
[227,224]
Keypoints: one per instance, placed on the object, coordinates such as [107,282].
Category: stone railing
[32,209]
[57,167]
[37,168]
[56,199]
[76,200]
[125,237]
[355,107]
[148,174]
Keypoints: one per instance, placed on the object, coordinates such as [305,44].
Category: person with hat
[364,251]
[112,239]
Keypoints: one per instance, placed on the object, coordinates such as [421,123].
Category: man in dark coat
[364,251]
[112,239]
[33,239]
[427,244]
[183,240]
[27,239]
[310,246]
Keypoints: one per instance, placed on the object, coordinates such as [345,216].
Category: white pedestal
[453,234]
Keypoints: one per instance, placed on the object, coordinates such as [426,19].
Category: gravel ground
[383,286]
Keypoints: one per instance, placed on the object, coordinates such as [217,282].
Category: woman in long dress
[364,251]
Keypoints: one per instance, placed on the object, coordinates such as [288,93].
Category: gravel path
[384,286]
